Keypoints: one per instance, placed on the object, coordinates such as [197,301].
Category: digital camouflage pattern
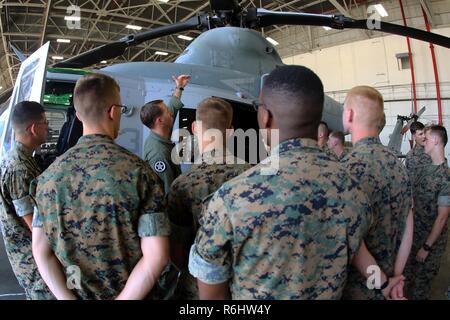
[18,169]
[416,159]
[385,180]
[329,152]
[158,150]
[95,202]
[344,153]
[289,235]
[431,190]
[184,204]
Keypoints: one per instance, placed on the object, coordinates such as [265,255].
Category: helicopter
[229,60]
[395,141]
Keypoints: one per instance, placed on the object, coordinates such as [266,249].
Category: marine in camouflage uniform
[185,200]
[95,202]
[329,152]
[289,235]
[416,160]
[431,190]
[18,169]
[344,153]
[384,179]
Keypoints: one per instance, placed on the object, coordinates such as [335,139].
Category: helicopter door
[29,86]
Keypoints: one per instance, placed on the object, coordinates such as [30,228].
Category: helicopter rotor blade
[414,118]
[263,18]
[115,49]
[421,111]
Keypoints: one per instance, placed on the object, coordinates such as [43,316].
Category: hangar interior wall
[374,62]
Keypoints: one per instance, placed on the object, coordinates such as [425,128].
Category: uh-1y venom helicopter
[228,61]
[396,138]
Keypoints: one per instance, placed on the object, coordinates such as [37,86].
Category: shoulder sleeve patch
[160,166]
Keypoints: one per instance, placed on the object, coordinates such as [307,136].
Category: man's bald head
[367,108]
[294,97]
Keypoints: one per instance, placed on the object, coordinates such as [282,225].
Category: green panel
[63,99]
[80,72]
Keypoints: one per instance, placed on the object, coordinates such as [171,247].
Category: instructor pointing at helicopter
[159,118]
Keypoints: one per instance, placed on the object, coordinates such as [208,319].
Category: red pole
[436,74]
[413,77]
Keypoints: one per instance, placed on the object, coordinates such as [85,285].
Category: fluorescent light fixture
[185,37]
[275,43]
[133,27]
[63,40]
[327,28]
[381,10]
[165,1]
[1,87]
[57,58]
[161,53]
[72,18]
[103,61]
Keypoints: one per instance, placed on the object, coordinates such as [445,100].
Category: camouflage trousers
[419,276]
[356,288]
[187,287]
[39,295]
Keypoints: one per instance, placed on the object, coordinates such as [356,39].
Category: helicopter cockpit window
[58,102]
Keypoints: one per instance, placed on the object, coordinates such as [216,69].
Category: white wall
[373,62]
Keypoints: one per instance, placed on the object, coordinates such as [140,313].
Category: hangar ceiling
[27,24]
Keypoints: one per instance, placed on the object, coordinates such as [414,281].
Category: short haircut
[416,125]
[215,113]
[300,96]
[325,125]
[439,131]
[370,104]
[150,112]
[338,135]
[26,113]
[94,94]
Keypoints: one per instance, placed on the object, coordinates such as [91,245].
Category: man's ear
[264,119]
[435,140]
[33,129]
[194,127]
[349,115]
[229,132]
[111,113]
[78,116]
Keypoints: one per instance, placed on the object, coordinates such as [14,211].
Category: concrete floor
[10,289]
